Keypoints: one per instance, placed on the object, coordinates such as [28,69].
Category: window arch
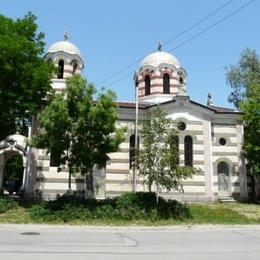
[223,168]
[188,151]
[223,179]
[61,69]
[166,83]
[181,80]
[53,160]
[75,66]
[132,150]
[147,81]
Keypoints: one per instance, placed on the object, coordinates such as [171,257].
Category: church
[210,137]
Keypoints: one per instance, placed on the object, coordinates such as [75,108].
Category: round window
[222,141]
[181,126]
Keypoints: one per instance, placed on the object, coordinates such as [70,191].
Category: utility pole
[136,137]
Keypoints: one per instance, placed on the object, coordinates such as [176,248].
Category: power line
[190,39]
[114,82]
[130,65]
[202,20]
[213,25]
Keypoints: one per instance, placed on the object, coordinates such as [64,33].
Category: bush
[129,206]
[63,209]
[136,206]
[143,205]
[173,209]
[7,204]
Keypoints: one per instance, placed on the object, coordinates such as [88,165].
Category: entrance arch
[223,179]
[12,146]
[13,174]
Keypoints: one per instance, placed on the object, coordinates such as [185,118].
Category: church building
[210,137]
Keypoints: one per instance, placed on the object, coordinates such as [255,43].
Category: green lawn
[218,213]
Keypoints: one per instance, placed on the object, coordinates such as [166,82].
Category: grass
[218,213]
[215,213]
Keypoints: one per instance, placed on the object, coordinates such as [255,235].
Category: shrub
[104,212]
[7,204]
[135,206]
[41,211]
[64,209]
[172,209]
[129,206]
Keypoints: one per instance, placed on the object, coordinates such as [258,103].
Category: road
[209,242]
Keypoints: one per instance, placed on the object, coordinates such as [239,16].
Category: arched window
[166,84]
[181,80]
[75,66]
[188,151]
[132,150]
[61,69]
[223,179]
[53,160]
[147,81]
[223,168]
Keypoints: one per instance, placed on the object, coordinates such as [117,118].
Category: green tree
[251,117]
[243,77]
[25,76]
[78,131]
[158,157]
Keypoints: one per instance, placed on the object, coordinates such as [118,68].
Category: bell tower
[67,58]
[160,77]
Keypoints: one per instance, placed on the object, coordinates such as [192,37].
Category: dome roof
[65,46]
[155,59]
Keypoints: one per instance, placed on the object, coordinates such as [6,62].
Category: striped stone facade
[207,126]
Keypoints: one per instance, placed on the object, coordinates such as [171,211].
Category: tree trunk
[257,186]
[90,194]
[69,183]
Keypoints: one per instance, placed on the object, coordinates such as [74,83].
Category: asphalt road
[27,242]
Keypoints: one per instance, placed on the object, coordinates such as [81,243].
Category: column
[241,163]
[208,171]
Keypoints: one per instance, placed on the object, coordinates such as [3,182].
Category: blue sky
[115,35]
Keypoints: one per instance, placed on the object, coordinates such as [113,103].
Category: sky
[115,35]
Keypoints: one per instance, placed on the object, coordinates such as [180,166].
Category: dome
[65,46]
[155,59]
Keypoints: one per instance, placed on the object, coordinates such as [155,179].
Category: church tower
[160,78]
[67,57]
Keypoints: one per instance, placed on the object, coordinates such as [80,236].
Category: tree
[25,76]
[78,131]
[251,117]
[243,77]
[158,158]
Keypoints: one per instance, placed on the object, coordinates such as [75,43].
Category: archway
[12,152]
[223,179]
[13,174]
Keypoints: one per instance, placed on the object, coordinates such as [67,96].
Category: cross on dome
[159,46]
[66,36]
